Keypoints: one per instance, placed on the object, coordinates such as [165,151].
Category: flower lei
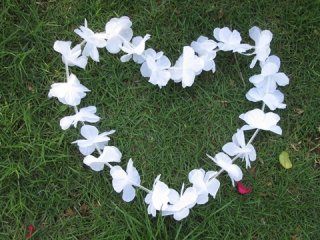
[157,67]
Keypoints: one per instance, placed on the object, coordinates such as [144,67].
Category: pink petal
[243,190]
[30,230]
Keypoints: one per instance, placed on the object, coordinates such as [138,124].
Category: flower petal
[128,193]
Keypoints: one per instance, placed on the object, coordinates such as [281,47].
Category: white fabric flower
[238,146]
[270,76]
[136,47]
[225,162]
[93,41]
[118,31]
[158,198]
[70,92]
[70,57]
[187,67]
[156,67]
[256,118]
[272,98]
[262,41]
[230,40]
[204,47]
[204,184]
[92,139]
[123,181]
[86,114]
[109,154]
[181,204]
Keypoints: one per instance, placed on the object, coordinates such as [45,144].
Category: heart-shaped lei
[196,58]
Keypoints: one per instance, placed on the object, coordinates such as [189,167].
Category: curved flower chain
[118,36]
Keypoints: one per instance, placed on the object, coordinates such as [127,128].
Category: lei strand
[198,57]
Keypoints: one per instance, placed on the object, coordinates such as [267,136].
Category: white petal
[81,62]
[240,138]
[254,33]
[276,129]
[111,154]
[66,122]
[120,178]
[196,175]
[224,34]
[133,173]
[181,214]
[281,79]
[234,172]
[90,109]
[176,74]
[87,150]
[188,77]
[213,187]
[113,45]
[62,46]
[231,149]
[145,70]
[125,58]
[93,163]
[216,33]
[89,131]
[164,62]
[256,79]
[128,193]
[252,153]
[202,198]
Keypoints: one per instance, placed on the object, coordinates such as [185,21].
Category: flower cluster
[198,57]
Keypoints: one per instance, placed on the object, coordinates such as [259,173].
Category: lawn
[165,131]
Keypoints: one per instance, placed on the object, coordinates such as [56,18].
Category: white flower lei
[157,67]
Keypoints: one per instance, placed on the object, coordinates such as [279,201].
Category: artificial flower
[181,204]
[92,139]
[93,41]
[230,40]
[86,114]
[257,118]
[70,92]
[225,162]
[204,47]
[135,48]
[158,198]
[262,41]
[123,181]
[270,76]
[118,31]
[156,67]
[109,154]
[70,57]
[187,67]
[272,98]
[204,183]
[239,147]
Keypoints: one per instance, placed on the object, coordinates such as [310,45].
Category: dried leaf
[84,209]
[252,171]
[220,13]
[30,86]
[299,111]
[285,160]
[69,212]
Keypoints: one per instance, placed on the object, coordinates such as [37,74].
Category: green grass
[167,131]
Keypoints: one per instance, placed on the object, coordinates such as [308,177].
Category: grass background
[167,131]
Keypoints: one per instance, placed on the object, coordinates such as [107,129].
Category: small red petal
[243,190]
[31,229]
